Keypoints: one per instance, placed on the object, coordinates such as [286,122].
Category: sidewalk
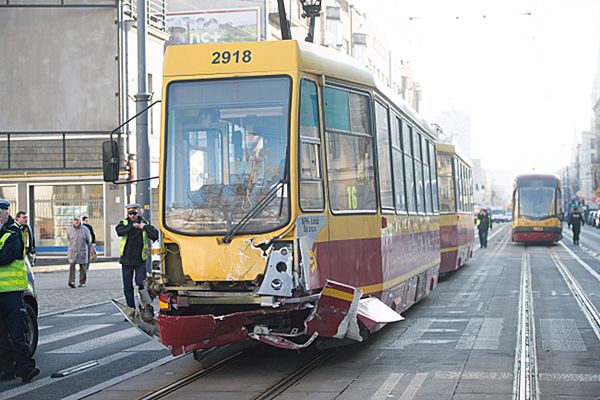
[104,282]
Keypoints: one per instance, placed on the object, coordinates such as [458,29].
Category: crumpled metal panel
[283,343]
[374,313]
[336,312]
[188,333]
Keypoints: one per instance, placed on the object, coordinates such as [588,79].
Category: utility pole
[142,191]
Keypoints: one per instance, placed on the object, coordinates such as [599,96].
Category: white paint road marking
[36,384]
[387,386]
[97,343]
[74,315]
[414,386]
[71,333]
[119,379]
[412,334]
[561,335]
[505,376]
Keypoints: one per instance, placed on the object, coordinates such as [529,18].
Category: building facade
[70,78]
[67,84]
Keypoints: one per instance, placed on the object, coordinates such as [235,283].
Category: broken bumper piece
[335,315]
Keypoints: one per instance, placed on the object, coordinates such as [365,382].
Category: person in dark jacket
[135,232]
[23,220]
[484,224]
[575,223]
[15,358]
[85,222]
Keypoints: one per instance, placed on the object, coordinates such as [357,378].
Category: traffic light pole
[142,98]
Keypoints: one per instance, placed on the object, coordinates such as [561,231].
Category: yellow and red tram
[297,200]
[537,208]
[457,236]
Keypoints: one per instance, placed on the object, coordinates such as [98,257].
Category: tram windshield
[538,199]
[226,147]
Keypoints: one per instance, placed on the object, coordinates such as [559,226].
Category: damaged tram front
[250,249]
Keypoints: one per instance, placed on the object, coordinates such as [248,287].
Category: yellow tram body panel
[203,257]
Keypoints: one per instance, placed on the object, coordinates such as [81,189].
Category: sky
[522,69]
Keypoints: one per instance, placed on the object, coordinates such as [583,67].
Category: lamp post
[142,192]
[311,10]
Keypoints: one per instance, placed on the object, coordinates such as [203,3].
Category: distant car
[31,307]
[498,215]
[589,218]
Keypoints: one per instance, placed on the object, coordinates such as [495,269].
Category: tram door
[354,225]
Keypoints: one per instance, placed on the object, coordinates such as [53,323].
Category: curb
[50,314]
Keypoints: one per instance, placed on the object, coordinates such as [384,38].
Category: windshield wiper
[255,210]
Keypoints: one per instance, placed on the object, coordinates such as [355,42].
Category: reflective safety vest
[13,277]
[145,250]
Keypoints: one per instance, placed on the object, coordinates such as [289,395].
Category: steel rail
[585,265]
[174,386]
[590,312]
[525,383]
[289,380]
[270,393]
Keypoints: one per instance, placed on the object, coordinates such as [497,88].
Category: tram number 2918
[226,57]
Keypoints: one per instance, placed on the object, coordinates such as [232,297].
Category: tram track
[185,381]
[525,383]
[291,379]
[271,391]
[588,309]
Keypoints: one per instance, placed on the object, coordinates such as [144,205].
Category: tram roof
[536,176]
[192,60]
[264,57]
[453,149]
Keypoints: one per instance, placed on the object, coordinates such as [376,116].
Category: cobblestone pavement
[103,283]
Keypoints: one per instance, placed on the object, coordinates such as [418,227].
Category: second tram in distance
[537,209]
[456,207]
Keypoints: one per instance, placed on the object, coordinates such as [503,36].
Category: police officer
[575,223]
[22,220]
[134,232]
[15,358]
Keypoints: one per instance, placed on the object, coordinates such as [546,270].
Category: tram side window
[445,176]
[411,199]
[398,165]
[418,171]
[459,206]
[383,150]
[311,179]
[426,176]
[350,167]
[434,181]
[470,190]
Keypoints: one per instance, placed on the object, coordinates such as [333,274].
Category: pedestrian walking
[575,223]
[93,256]
[28,239]
[484,224]
[135,232]
[79,239]
[15,352]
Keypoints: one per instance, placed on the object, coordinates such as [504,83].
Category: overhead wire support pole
[286,33]
[142,191]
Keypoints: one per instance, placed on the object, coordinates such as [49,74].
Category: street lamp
[311,10]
